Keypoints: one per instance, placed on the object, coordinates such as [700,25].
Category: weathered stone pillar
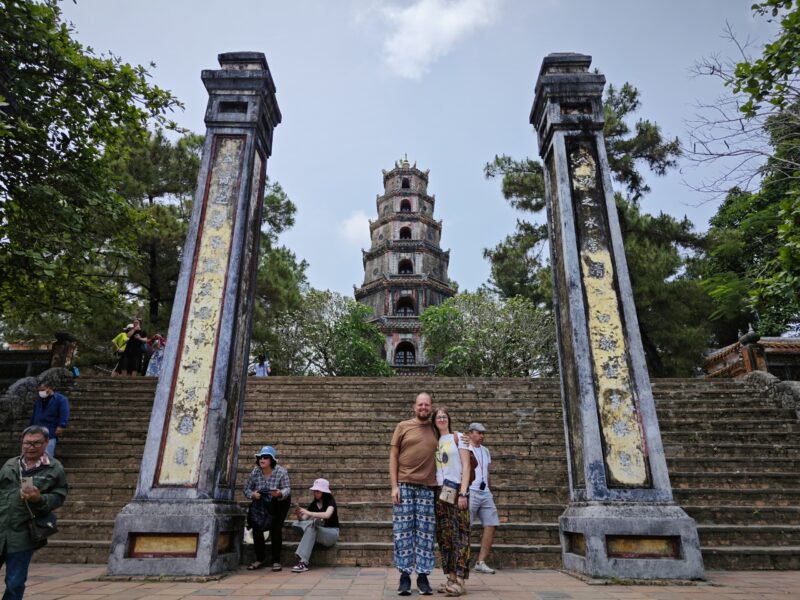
[621,520]
[183,519]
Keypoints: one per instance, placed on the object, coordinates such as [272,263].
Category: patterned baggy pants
[414,527]
[452,533]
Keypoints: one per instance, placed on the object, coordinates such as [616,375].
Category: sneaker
[482,567]
[423,586]
[300,567]
[278,567]
[404,589]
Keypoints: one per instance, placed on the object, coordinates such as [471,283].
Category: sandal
[443,588]
[455,588]
[256,565]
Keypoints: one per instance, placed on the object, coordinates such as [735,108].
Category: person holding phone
[269,481]
[319,524]
[31,483]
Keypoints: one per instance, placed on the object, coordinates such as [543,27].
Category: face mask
[43,394]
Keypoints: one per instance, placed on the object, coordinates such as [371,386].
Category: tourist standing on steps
[319,523]
[134,350]
[412,473]
[452,503]
[32,483]
[262,366]
[157,344]
[120,341]
[481,501]
[269,481]
[50,410]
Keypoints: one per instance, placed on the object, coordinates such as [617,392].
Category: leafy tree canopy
[327,334]
[481,335]
[773,77]
[64,108]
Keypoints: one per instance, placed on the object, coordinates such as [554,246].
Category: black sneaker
[423,586]
[405,585]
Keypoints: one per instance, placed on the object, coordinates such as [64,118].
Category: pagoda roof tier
[412,217]
[405,246]
[392,324]
[405,192]
[385,281]
[403,167]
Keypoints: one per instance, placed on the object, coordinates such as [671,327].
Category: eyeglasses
[33,444]
[442,418]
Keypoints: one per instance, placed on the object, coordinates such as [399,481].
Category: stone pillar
[183,519]
[621,520]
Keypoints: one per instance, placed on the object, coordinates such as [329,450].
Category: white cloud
[355,229]
[426,30]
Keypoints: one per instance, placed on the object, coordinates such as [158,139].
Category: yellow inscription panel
[160,544]
[643,547]
[619,419]
[194,374]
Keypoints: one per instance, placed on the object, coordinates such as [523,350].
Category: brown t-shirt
[416,444]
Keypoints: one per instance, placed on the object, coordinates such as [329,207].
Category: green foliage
[480,335]
[626,151]
[671,304]
[753,267]
[61,225]
[772,78]
[327,334]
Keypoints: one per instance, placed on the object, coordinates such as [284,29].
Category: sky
[449,83]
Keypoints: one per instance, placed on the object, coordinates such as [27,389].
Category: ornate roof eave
[404,216]
[387,281]
[403,246]
[392,324]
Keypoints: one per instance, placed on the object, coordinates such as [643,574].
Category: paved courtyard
[78,582]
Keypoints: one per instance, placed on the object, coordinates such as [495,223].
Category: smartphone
[26,483]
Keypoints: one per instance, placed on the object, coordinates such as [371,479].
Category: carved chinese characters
[624,448]
[194,371]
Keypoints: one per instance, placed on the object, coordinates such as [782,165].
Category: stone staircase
[734,460]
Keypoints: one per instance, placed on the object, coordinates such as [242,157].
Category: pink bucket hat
[321,485]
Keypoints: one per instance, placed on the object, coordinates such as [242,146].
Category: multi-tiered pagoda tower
[405,270]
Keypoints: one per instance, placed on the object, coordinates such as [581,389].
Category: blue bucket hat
[267,451]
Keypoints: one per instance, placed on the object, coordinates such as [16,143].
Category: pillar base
[630,541]
[176,538]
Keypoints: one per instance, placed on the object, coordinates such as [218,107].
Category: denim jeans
[16,573]
[51,447]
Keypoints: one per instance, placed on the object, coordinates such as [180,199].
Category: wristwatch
[463,494]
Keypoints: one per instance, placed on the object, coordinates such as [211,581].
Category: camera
[482,486]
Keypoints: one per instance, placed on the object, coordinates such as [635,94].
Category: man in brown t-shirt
[412,472]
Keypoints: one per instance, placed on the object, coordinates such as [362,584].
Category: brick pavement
[79,582]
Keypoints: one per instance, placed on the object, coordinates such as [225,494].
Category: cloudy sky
[361,83]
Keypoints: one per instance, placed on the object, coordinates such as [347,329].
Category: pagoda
[405,269]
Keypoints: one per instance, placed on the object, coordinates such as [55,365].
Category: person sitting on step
[318,523]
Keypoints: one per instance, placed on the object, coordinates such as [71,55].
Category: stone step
[751,558]
[715,535]
[376,554]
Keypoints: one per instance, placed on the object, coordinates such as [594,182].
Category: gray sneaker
[482,567]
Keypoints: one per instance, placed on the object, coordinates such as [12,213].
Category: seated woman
[269,481]
[318,523]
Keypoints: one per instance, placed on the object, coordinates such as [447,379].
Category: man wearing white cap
[481,501]
[319,523]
